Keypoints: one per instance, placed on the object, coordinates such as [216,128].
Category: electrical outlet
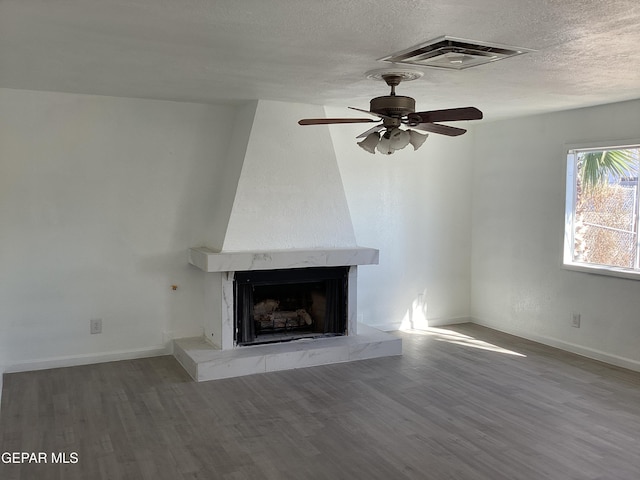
[575,320]
[96,325]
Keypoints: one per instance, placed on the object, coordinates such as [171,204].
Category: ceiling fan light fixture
[417,139]
[370,142]
[392,140]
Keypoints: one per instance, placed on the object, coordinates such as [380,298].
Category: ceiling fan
[394,111]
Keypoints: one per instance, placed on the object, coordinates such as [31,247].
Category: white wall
[416,208]
[517,282]
[100,198]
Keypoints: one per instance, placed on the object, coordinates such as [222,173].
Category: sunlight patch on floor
[450,336]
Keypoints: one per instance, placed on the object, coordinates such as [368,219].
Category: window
[601,216]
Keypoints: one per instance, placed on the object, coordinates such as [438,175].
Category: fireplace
[290,304]
[228,271]
[280,295]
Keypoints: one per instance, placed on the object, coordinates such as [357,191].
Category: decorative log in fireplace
[288,304]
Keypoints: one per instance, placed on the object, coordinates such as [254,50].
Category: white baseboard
[432,322]
[442,322]
[567,346]
[87,359]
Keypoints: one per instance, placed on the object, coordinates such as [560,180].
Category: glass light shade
[416,139]
[370,142]
[399,138]
[384,145]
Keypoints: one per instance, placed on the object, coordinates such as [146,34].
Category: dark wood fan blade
[450,115]
[379,115]
[327,121]
[441,129]
[375,129]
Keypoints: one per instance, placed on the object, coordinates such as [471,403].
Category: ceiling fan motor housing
[393,105]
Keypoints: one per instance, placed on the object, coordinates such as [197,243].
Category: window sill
[603,270]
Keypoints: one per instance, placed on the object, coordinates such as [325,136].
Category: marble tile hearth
[204,362]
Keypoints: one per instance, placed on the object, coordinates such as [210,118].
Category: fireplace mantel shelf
[211,261]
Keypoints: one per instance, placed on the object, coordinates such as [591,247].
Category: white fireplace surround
[219,315]
[216,356]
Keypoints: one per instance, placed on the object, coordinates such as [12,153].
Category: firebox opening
[283,305]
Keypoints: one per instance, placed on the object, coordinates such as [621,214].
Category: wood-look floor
[452,407]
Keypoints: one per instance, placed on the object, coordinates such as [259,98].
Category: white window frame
[569,213]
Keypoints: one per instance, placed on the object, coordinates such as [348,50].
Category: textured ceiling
[318,51]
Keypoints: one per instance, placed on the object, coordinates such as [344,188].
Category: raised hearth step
[203,362]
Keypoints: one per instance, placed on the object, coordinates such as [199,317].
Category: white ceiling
[317,51]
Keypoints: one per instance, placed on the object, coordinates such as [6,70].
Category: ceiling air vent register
[454,53]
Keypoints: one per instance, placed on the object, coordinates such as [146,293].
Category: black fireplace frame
[335,280]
